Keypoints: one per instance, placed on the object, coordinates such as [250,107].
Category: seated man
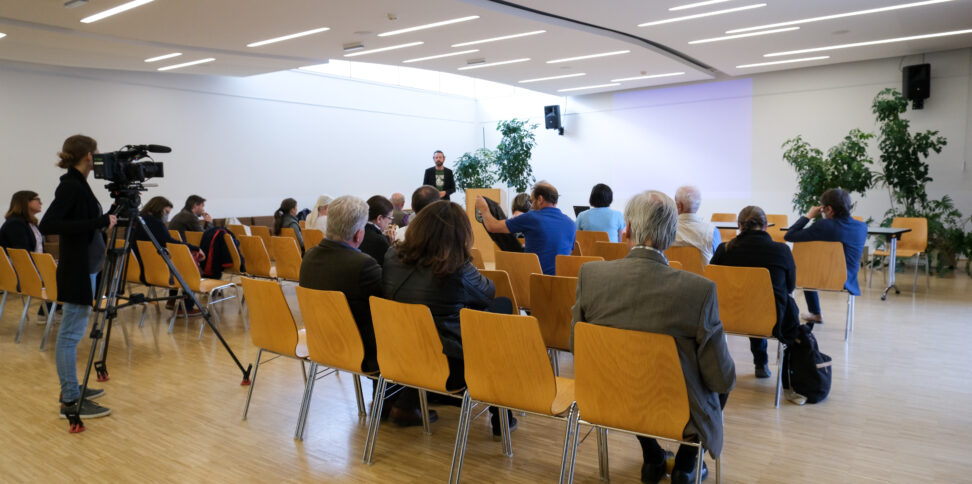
[692,230]
[399,216]
[547,230]
[188,218]
[422,197]
[641,292]
[336,264]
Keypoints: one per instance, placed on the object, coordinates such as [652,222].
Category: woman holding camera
[75,215]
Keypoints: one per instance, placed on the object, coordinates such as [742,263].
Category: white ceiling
[44,31]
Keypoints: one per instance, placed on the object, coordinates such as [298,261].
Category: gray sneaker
[89,409]
[93,393]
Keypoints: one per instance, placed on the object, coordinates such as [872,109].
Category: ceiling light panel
[652,76]
[163,57]
[429,26]
[491,64]
[288,37]
[871,42]
[788,61]
[383,49]
[114,11]
[598,86]
[505,37]
[740,36]
[701,15]
[187,64]
[590,56]
[551,78]
[839,15]
[2,35]
[696,5]
[440,56]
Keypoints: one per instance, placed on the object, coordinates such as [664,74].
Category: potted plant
[513,154]
[845,166]
[475,169]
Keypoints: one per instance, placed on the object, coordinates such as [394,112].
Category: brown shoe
[410,418]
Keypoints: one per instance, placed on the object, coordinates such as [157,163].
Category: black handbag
[807,370]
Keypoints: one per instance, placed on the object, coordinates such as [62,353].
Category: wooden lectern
[480,236]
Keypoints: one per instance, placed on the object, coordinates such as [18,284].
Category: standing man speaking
[440,177]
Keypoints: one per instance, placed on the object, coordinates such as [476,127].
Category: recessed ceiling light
[588,87]
[494,39]
[450,54]
[591,56]
[429,26]
[186,64]
[74,3]
[739,36]
[839,15]
[491,64]
[872,42]
[114,11]
[700,15]
[288,37]
[565,76]
[652,76]
[383,49]
[2,35]
[163,57]
[789,61]
[699,4]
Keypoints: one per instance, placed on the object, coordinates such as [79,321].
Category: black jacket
[450,182]
[333,266]
[16,233]
[445,296]
[375,243]
[757,249]
[75,215]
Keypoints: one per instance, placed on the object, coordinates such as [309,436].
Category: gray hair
[346,216]
[690,197]
[652,217]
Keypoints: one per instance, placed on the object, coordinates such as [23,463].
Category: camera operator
[188,218]
[75,215]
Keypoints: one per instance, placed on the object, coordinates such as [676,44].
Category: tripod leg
[100,366]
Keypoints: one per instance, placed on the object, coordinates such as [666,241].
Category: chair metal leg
[303,369]
[23,319]
[554,360]
[461,435]
[571,416]
[927,276]
[779,372]
[375,421]
[249,393]
[850,315]
[602,454]
[718,466]
[698,465]
[914,285]
[47,328]
[3,303]
[504,416]
[359,396]
[305,404]
[180,304]
[424,406]
[574,430]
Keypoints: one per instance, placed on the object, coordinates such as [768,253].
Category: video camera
[120,168]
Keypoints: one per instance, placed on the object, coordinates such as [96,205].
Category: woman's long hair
[75,148]
[155,207]
[286,206]
[749,218]
[20,206]
[439,237]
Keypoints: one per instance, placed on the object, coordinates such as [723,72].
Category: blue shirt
[602,219]
[548,233]
[849,232]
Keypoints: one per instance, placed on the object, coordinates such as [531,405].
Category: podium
[481,238]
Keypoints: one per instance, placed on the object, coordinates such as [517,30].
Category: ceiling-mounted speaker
[916,84]
[551,118]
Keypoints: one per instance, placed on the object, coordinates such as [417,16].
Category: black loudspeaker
[551,116]
[916,84]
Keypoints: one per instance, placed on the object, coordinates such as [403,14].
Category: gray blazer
[641,292]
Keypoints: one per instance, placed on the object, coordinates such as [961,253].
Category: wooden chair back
[194,237]
[176,235]
[553,296]
[611,250]
[917,239]
[48,272]
[312,237]
[519,266]
[256,256]
[8,276]
[287,232]
[263,232]
[234,254]
[506,361]
[30,281]
[778,221]
[725,234]
[156,272]
[333,339]
[272,325]
[504,288]
[820,265]
[586,238]
[409,348]
[569,265]
[237,229]
[302,224]
[133,273]
[576,250]
[630,380]
[690,258]
[747,304]
[858,218]
[477,258]
[185,264]
[674,264]
[287,255]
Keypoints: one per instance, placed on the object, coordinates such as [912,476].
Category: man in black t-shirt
[440,177]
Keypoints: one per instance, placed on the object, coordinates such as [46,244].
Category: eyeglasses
[35,198]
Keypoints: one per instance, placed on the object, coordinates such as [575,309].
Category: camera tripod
[108,295]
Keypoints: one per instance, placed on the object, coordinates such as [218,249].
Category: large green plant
[475,169]
[514,152]
[845,166]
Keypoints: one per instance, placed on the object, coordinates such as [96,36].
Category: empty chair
[8,279]
[48,271]
[477,257]
[503,286]
[157,274]
[256,256]
[237,267]
[553,296]
[519,266]
[287,256]
[272,326]
[312,237]
[586,238]
[506,366]
[725,234]
[287,232]
[189,271]
[912,244]
[611,250]
[263,232]
[777,221]
[176,235]
[821,267]
[194,238]
[32,286]
[690,258]
[569,265]
[237,229]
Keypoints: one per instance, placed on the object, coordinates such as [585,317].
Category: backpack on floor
[808,371]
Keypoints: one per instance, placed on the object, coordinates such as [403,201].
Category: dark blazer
[849,232]
[16,233]
[445,296]
[375,243]
[75,215]
[335,266]
[755,248]
[450,182]
[642,293]
[186,221]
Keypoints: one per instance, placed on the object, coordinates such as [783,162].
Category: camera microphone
[151,148]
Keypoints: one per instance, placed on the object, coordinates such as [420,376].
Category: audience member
[154,213]
[286,217]
[547,230]
[600,217]
[753,247]
[440,177]
[336,264]
[434,267]
[692,230]
[399,217]
[422,197]
[379,232]
[188,218]
[641,292]
[317,218]
[836,226]
[520,205]
[20,230]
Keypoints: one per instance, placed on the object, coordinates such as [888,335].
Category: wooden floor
[900,411]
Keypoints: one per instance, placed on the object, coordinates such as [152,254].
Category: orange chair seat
[899,252]
[565,396]
[206,285]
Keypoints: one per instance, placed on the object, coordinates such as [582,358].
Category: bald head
[687,199]
[398,200]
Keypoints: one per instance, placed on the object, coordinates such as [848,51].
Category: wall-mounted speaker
[551,118]
[916,84]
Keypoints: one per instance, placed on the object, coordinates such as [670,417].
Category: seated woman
[317,218]
[521,204]
[434,267]
[754,247]
[286,218]
[155,213]
[19,230]
[379,232]
[600,217]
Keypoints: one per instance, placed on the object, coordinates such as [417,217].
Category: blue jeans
[74,321]
[813,302]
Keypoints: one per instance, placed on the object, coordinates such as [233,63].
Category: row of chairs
[311,237]
[32,275]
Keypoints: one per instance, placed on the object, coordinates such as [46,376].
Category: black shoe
[763,371]
[89,409]
[652,473]
[410,418]
[89,393]
[682,477]
[494,421]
